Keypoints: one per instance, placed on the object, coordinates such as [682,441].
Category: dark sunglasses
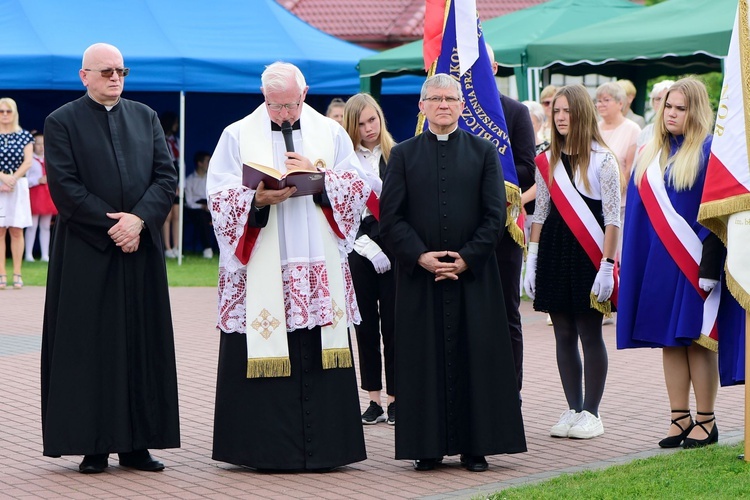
[108,72]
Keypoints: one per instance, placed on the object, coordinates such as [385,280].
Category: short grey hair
[441,81]
[276,77]
[536,110]
[612,89]
[660,87]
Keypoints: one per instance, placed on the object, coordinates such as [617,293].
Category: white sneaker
[208,253]
[588,426]
[170,254]
[561,428]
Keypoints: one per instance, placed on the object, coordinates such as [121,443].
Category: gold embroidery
[338,313]
[265,324]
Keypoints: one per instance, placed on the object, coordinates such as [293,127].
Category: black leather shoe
[474,464]
[93,464]
[424,464]
[140,460]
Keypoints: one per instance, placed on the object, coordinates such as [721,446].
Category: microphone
[286,130]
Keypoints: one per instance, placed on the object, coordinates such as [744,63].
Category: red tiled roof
[382,22]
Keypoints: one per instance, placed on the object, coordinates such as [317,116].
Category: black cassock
[455,378]
[109,381]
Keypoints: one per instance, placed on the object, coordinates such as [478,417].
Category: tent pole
[181,175]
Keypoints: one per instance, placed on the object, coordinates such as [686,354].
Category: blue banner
[483,114]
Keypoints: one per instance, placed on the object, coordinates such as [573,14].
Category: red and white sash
[576,214]
[682,244]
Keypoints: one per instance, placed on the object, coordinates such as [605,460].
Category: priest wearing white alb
[286,396]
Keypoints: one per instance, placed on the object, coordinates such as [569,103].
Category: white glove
[529,279]
[604,284]
[707,284]
[380,262]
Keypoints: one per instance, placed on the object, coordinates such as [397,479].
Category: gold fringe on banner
[740,294]
[603,307]
[707,342]
[713,214]
[268,367]
[337,358]
[513,198]
[420,116]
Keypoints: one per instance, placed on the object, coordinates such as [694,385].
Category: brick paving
[634,411]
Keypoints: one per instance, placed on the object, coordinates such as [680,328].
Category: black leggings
[568,329]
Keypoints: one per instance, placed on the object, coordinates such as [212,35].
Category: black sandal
[676,441]
[712,437]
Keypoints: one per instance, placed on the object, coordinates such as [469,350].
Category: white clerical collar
[108,108]
[444,137]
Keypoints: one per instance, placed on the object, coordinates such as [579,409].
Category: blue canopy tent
[215,51]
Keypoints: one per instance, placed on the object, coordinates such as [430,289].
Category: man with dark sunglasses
[109,383]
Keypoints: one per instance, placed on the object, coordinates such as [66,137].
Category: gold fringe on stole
[268,367]
[337,358]
[513,198]
[739,293]
[707,342]
[603,307]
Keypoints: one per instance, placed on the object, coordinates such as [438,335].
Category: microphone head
[286,127]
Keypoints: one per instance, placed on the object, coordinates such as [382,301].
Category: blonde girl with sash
[570,266]
[673,264]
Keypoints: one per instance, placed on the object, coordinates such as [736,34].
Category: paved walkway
[634,410]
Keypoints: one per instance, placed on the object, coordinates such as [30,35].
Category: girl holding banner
[670,283]
[574,240]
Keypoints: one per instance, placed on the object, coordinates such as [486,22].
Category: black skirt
[564,274]
[309,420]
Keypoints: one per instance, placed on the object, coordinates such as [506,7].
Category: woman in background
[16,150]
[370,264]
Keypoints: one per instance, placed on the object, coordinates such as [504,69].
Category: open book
[306,181]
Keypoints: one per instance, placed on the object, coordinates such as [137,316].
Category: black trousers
[377,303]
[510,260]
[201,221]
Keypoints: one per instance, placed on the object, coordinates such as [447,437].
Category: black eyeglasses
[108,72]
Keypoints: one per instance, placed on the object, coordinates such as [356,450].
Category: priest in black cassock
[442,207]
[109,382]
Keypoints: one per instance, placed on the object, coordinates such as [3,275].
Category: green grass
[713,472]
[194,271]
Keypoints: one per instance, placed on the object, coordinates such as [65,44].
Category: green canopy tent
[670,38]
[508,35]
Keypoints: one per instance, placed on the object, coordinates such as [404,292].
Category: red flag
[434,17]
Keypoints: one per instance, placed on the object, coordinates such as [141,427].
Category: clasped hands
[7,183]
[443,270]
[126,233]
[264,197]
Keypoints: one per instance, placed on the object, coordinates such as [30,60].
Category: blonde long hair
[582,130]
[352,109]
[687,160]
